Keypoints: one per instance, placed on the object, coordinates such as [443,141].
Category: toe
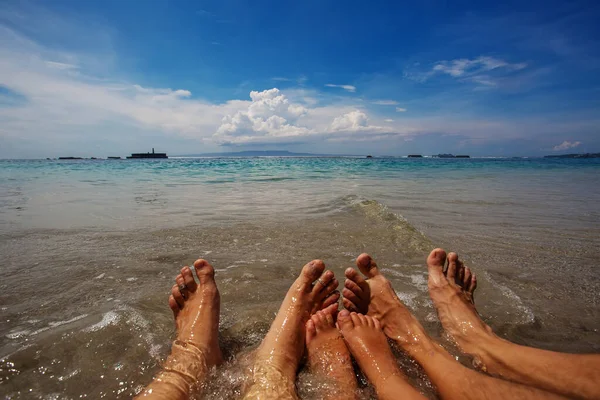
[344,321]
[362,319]
[473,284]
[324,286]
[377,323]
[205,272]
[311,331]
[329,319]
[323,281]
[452,267]
[355,277]
[177,296]
[181,283]
[466,279]
[460,272]
[310,272]
[435,266]
[369,321]
[173,306]
[355,319]
[329,289]
[353,287]
[350,295]
[188,278]
[348,305]
[333,298]
[367,265]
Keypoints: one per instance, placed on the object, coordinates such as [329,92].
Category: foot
[328,356]
[376,298]
[452,295]
[369,346]
[279,354]
[196,311]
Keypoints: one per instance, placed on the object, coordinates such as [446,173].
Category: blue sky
[112,77]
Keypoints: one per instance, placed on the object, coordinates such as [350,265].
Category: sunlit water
[90,250]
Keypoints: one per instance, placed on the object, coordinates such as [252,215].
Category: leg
[196,349]
[278,356]
[370,349]
[452,294]
[376,297]
[328,355]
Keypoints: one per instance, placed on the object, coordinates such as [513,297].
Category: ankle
[482,347]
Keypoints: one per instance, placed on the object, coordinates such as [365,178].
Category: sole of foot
[369,346]
[196,308]
[451,289]
[328,357]
[284,344]
[373,295]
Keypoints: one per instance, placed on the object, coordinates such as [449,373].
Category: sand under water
[84,309]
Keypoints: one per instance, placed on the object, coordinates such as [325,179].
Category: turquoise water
[49,194]
[90,248]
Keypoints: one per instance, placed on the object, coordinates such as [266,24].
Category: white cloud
[400,109]
[464,66]
[352,121]
[385,102]
[58,65]
[388,120]
[566,145]
[348,88]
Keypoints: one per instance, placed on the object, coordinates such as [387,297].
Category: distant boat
[415,156]
[148,155]
[369,156]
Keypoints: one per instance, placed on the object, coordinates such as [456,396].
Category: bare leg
[370,349]
[376,297]
[571,375]
[278,357]
[196,349]
[328,355]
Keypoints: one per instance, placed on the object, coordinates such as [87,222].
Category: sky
[104,78]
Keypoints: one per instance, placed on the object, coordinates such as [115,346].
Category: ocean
[90,249]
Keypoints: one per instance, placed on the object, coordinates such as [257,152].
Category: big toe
[344,321]
[435,265]
[205,271]
[311,271]
[367,265]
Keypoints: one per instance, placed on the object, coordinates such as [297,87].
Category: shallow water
[90,250]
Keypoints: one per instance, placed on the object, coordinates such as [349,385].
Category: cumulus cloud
[400,109]
[566,145]
[270,115]
[348,88]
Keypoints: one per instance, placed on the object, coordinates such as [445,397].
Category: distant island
[263,153]
[585,155]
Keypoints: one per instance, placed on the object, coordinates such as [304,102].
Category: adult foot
[452,294]
[371,350]
[195,307]
[328,356]
[278,356]
[376,298]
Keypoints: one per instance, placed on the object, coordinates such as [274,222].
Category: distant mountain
[261,153]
